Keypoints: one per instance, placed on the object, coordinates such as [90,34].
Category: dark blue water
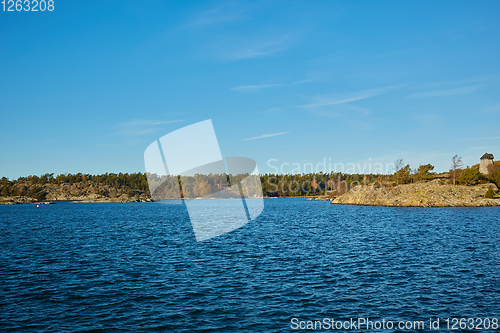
[137,267]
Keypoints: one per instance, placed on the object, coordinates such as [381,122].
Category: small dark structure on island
[486,165]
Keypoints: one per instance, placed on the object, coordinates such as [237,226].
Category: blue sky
[87,87]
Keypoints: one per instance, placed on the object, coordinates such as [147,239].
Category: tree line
[457,175]
[38,186]
[273,185]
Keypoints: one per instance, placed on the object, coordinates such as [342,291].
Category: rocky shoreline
[424,194]
[17,200]
[83,192]
[80,199]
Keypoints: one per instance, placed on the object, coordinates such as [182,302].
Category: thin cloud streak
[260,49]
[253,88]
[456,82]
[141,126]
[305,81]
[265,136]
[312,77]
[214,16]
[445,92]
[325,101]
[142,122]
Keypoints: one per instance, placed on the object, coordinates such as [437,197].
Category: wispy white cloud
[141,126]
[305,81]
[149,122]
[120,144]
[337,99]
[265,136]
[311,77]
[254,88]
[445,92]
[344,111]
[217,15]
[260,48]
[457,82]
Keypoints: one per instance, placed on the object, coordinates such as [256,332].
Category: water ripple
[137,267]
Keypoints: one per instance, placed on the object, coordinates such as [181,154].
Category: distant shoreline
[17,201]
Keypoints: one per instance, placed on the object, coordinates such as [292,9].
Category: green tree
[469,176]
[489,194]
[424,172]
[495,175]
[5,191]
[403,175]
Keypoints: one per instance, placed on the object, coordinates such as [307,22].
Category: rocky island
[75,188]
[474,186]
[423,194]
